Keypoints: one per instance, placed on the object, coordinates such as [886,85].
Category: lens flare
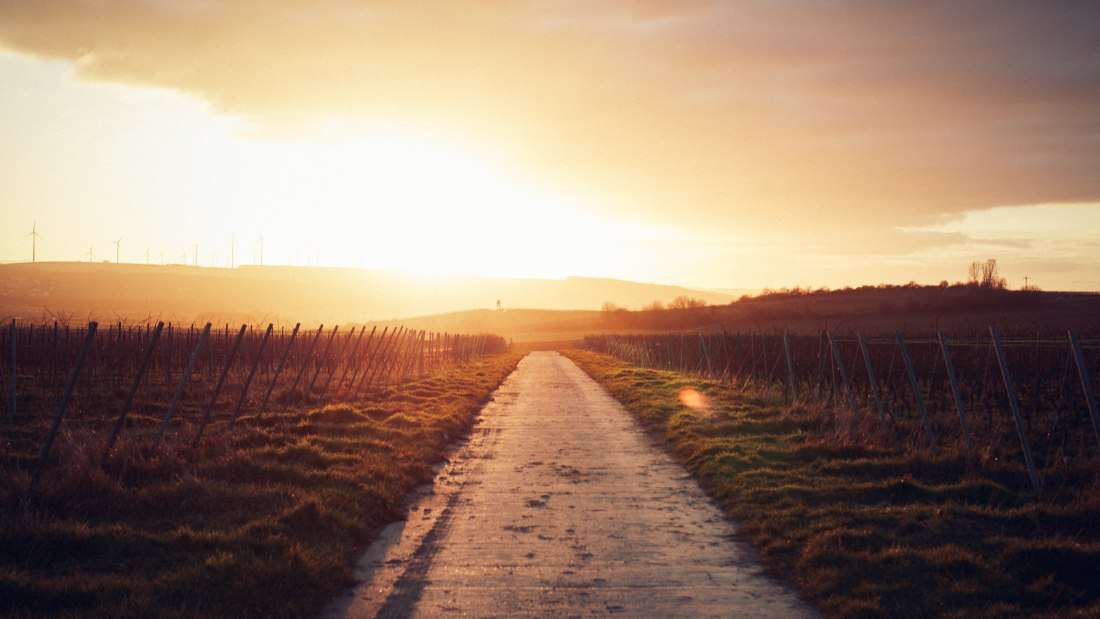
[693,399]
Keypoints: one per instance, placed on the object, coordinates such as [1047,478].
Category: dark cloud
[768,114]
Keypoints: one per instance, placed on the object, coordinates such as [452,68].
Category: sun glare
[185,183]
[386,199]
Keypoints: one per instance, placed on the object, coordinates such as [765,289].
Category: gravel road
[560,506]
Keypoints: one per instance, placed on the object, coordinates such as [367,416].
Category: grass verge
[266,519]
[874,530]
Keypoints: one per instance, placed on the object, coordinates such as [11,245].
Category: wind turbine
[90,247]
[233,250]
[146,255]
[34,242]
[118,245]
[262,239]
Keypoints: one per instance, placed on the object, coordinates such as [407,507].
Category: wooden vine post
[182,385]
[279,369]
[1021,431]
[146,357]
[873,380]
[14,375]
[955,391]
[916,391]
[209,410]
[251,374]
[64,404]
[302,368]
[1086,383]
[791,382]
[843,372]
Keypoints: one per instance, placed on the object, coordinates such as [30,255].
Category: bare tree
[986,275]
[684,302]
[974,273]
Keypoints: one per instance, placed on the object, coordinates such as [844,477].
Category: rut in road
[559,505]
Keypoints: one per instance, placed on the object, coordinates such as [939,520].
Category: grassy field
[266,519]
[875,530]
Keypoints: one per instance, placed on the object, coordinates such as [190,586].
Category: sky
[725,144]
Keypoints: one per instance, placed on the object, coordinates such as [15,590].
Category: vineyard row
[203,375]
[1030,395]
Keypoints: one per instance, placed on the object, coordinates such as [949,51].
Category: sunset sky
[715,144]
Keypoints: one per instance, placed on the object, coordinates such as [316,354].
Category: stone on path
[560,506]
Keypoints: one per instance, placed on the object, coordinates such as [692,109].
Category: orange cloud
[758,116]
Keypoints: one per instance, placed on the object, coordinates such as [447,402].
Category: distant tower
[34,242]
[90,252]
[233,250]
[146,255]
[196,254]
[118,246]
[262,239]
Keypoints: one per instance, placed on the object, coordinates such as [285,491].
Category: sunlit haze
[727,145]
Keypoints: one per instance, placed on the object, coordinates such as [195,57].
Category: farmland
[263,515]
[251,463]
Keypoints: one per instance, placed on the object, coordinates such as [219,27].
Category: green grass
[266,519]
[866,528]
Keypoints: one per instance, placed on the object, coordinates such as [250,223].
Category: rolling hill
[873,309]
[85,291]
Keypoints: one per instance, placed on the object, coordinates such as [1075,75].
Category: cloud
[768,116]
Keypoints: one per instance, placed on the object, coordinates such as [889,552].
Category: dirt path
[560,506]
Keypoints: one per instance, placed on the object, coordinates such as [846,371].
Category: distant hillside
[874,310]
[532,310]
[82,291]
[882,309]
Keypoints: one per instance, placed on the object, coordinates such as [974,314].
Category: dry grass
[265,519]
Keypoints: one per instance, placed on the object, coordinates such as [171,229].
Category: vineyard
[160,384]
[1025,398]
